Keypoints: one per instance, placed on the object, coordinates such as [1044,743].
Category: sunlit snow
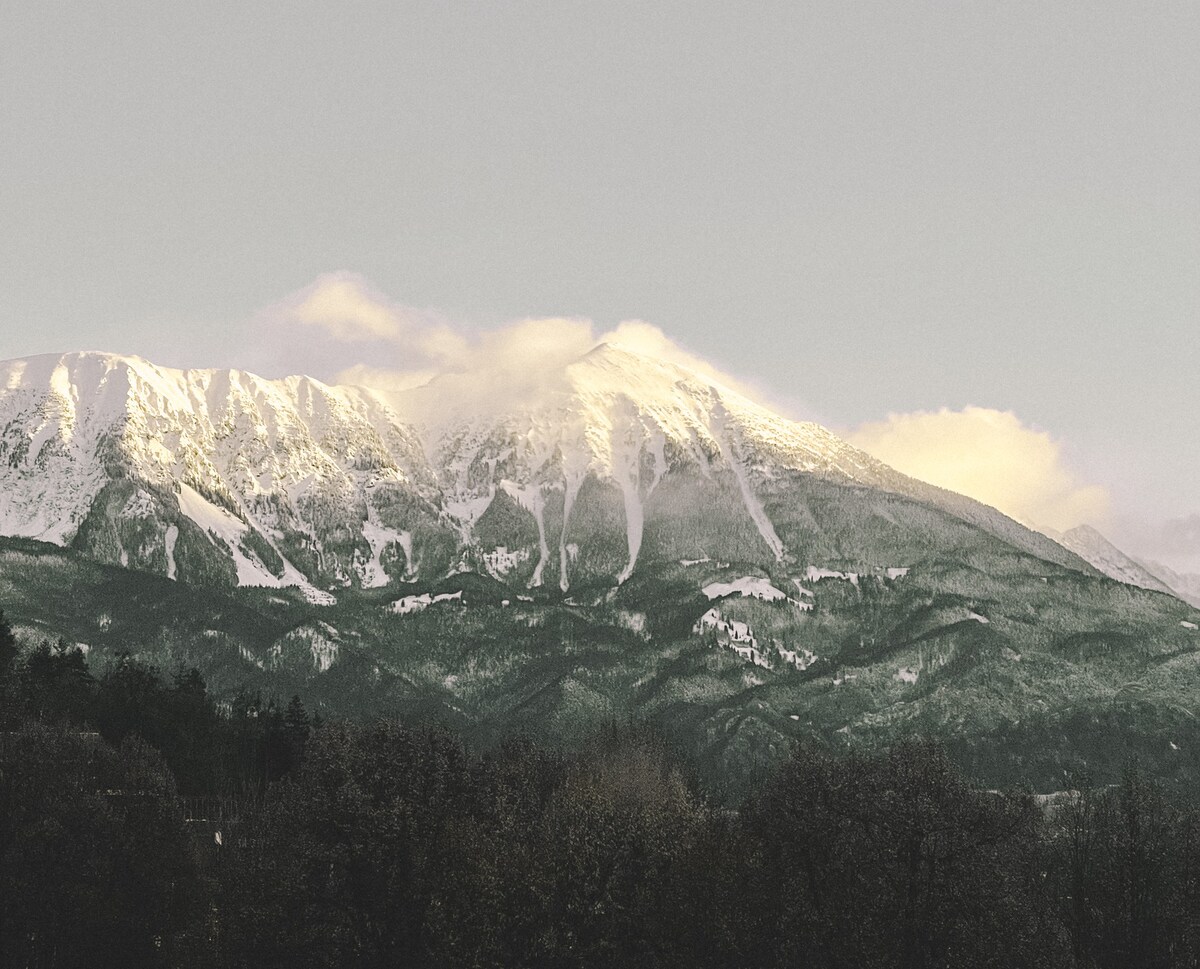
[411,604]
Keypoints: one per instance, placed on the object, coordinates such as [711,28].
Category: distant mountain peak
[1185,585]
[1090,545]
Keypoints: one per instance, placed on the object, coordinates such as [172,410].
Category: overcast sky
[864,208]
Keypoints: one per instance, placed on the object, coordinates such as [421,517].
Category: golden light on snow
[987,454]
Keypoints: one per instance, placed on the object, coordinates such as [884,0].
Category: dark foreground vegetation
[141,825]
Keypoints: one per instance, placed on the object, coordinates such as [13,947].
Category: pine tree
[296,727]
[8,655]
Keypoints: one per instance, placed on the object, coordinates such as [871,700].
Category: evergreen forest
[142,824]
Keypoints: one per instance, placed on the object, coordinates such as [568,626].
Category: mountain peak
[1090,545]
[559,472]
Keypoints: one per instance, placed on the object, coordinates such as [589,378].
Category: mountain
[224,478]
[616,538]
[215,477]
[620,459]
[1184,585]
[1086,542]
[1094,548]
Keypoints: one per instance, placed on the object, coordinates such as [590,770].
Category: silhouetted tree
[55,684]
[8,657]
[1126,869]
[296,727]
[894,861]
[96,867]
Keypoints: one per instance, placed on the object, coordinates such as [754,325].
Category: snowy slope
[1093,547]
[631,423]
[1184,585]
[575,476]
[288,480]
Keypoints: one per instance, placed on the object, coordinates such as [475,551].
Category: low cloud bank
[990,455]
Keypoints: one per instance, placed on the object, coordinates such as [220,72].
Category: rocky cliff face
[214,476]
[587,475]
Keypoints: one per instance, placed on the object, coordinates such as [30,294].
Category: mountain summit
[577,475]
[558,548]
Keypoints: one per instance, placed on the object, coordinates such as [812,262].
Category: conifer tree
[296,727]
[8,654]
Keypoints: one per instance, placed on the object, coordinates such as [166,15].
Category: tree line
[380,844]
[234,749]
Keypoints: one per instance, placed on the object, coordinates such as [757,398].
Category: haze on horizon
[951,232]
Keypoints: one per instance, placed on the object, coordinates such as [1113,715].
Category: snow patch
[815,573]
[748,585]
[756,510]
[468,509]
[169,540]
[739,637]
[566,557]
[635,515]
[410,604]
[249,657]
[800,658]
[372,573]
[324,653]
[500,561]
[753,587]
[533,501]
[732,633]
[229,530]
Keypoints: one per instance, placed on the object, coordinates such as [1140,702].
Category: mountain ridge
[621,539]
[1093,547]
[298,482]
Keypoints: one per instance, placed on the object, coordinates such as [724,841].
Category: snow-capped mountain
[680,466]
[212,476]
[1184,584]
[573,478]
[1091,546]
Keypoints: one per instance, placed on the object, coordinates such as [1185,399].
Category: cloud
[340,328]
[343,305]
[989,455]
[1174,542]
[485,371]
[339,321]
[650,341]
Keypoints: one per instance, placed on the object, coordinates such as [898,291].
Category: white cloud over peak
[990,455]
[342,305]
[341,328]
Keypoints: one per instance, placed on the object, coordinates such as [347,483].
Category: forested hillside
[141,824]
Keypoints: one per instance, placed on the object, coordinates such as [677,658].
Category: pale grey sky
[865,207]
